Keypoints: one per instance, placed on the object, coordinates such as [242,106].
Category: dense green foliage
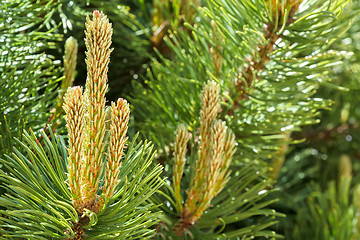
[289,79]
[39,196]
[279,97]
[28,71]
[315,162]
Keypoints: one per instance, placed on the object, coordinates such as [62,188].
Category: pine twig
[256,65]
[216,148]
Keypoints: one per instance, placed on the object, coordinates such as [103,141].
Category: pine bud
[118,129]
[74,109]
[210,106]
[182,137]
[97,40]
[345,166]
[208,189]
[70,56]
[216,148]
[71,48]
[229,151]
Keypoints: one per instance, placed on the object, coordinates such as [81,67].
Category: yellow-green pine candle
[97,40]
[71,48]
[74,110]
[118,128]
[210,106]
[217,142]
[345,166]
[229,151]
[182,138]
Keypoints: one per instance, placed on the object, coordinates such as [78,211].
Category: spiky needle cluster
[216,148]
[85,117]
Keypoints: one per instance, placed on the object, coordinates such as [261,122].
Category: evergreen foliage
[316,161]
[295,66]
[342,221]
[261,156]
[39,203]
[60,192]
[269,59]
[29,73]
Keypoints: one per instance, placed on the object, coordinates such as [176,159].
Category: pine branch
[281,66]
[339,223]
[170,16]
[210,175]
[272,32]
[57,192]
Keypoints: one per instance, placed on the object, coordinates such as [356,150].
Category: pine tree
[227,91]
[87,190]
[269,59]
